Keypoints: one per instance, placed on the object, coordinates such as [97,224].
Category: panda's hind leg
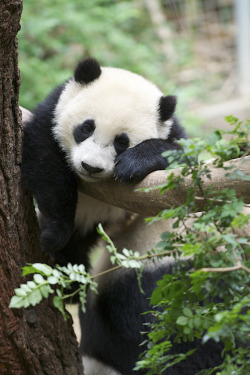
[77,249]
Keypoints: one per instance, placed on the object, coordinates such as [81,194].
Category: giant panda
[103,123]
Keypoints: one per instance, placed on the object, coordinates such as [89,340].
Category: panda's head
[102,112]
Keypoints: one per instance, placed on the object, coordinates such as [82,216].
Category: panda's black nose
[90,169]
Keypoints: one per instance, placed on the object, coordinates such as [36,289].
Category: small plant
[207,298]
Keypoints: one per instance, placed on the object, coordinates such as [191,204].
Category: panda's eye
[84,131]
[121,143]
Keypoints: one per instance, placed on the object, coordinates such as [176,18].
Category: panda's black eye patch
[84,131]
[121,143]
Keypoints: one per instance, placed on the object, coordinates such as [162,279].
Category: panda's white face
[97,121]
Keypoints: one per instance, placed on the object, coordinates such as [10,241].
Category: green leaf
[213,137]
[182,320]
[125,263]
[52,280]
[126,252]
[187,330]
[28,270]
[44,268]
[101,231]
[197,322]
[81,268]
[25,288]
[16,302]
[31,284]
[190,249]
[75,268]
[82,279]
[20,292]
[83,299]
[38,278]
[58,303]
[134,263]
[187,312]
[46,290]
[121,256]
[35,297]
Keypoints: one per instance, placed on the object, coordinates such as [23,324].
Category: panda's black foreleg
[137,162]
[47,176]
[77,249]
[55,230]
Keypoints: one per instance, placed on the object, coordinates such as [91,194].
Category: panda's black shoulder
[45,110]
[40,151]
[37,131]
[177,131]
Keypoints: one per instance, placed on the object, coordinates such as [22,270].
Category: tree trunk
[35,340]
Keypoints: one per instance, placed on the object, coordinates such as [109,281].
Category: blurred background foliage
[185,47]
[55,35]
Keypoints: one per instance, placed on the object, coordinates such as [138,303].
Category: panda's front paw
[54,236]
[131,166]
[128,174]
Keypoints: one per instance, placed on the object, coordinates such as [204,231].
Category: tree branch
[237,267]
[128,197]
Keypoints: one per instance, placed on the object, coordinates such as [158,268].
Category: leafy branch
[237,266]
[196,301]
[48,281]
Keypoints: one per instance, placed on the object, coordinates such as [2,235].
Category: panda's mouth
[89,177]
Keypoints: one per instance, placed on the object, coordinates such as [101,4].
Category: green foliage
[55,35]
[59,280]
[47,280]
[207,298]
[128,258]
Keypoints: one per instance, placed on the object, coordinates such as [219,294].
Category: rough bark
[35,340]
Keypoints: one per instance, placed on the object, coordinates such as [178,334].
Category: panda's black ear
[87,71]
[166,107]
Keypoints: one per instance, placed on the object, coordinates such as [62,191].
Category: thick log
[150,203]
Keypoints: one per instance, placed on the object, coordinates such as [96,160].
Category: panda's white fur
[94,367]
[90,210]
[119,101]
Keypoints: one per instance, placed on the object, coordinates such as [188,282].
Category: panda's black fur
[113,321]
